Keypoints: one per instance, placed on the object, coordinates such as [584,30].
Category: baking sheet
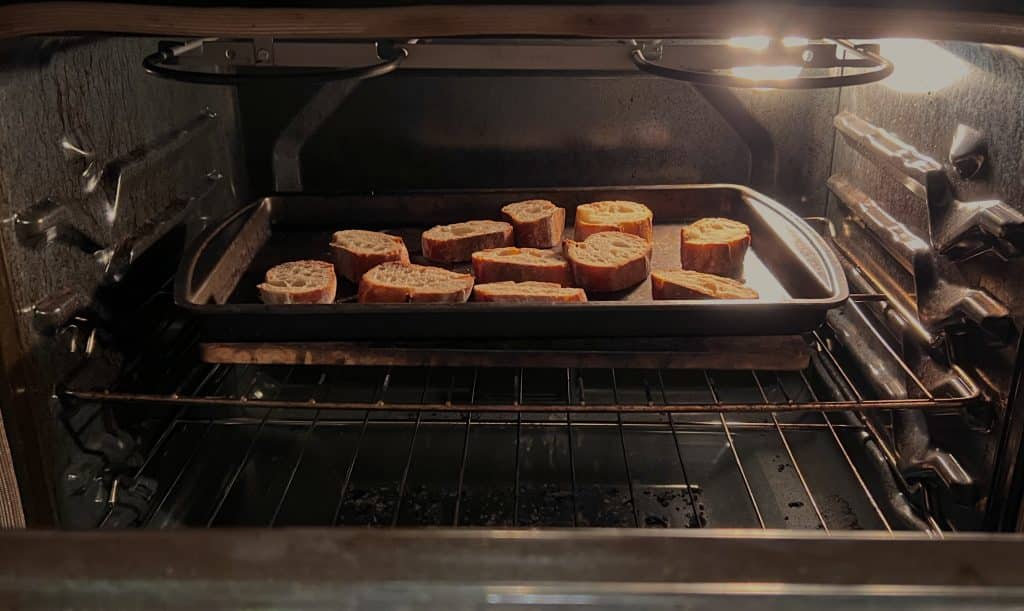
[792,269]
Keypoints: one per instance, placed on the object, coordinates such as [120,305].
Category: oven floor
[258,466]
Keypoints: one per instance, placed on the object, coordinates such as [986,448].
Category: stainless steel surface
[476,569]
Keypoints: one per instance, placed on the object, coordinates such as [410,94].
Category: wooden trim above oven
[613,21]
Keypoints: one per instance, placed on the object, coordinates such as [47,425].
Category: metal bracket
[958,230]
[107,178]
[287,154]
[45,222]
[940,302]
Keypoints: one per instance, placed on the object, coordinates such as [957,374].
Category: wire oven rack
[270,466]
[187,384]
[246,444]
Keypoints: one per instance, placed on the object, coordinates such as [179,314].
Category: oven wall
[79,113]
[421,132]
[981,86]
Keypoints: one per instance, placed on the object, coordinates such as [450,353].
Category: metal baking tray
[795,272]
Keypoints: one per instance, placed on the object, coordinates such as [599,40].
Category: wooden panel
[656,21]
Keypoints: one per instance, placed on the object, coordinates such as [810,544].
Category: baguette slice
[538,223]
[521,264]
[357,252]
[458,242]
[627,217]
[394,282]
[528,292]
[688,284]
[715,246]
[609,261]
[299,282]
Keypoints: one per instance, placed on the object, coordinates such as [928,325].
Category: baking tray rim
[834,282]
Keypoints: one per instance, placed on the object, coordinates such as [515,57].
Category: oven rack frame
[825,365]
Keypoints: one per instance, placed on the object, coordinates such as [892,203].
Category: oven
[853,440]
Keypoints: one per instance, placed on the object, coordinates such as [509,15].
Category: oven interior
[902,419]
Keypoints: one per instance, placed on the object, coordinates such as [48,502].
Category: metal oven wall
[86,129]
[979,86]
[400,132]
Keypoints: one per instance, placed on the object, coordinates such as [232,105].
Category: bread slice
[627,217]
[394,282]
[458,242]
[688,284]
[357,251]
[528,292]
[521,264]
[537,222]
[299,282]
[715,246]
[609,261]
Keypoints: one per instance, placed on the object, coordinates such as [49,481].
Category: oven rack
[176,377]
[804,471]
[813,422]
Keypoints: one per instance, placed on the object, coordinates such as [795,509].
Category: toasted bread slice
[609,261]
[528,292]
[521,264]
[394,282]
[688,284]
[357,252]
[458,242]
[537,222]
[627,217]
[715,246]
[299,282]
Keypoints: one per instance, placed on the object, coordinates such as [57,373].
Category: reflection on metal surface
[795,41]
[968,151]
[921,66]
[756,43]
[766,73]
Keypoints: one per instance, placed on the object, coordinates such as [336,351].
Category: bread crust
[508,264]
[607,278]
[714,246]
[584,228]
[543,232]
[351,263]
[527,292]
[452,287]
[274,294]
[444,244]
[688,284]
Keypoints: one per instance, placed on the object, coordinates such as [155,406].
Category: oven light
[794,41]
[920,66]
[756,43]
[766,73]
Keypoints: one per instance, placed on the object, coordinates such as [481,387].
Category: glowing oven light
[767,73]
[920,66]
[755,43]
[795,41]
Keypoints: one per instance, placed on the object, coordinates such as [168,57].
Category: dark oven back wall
[408,132]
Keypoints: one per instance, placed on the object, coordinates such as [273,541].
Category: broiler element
[778,64]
